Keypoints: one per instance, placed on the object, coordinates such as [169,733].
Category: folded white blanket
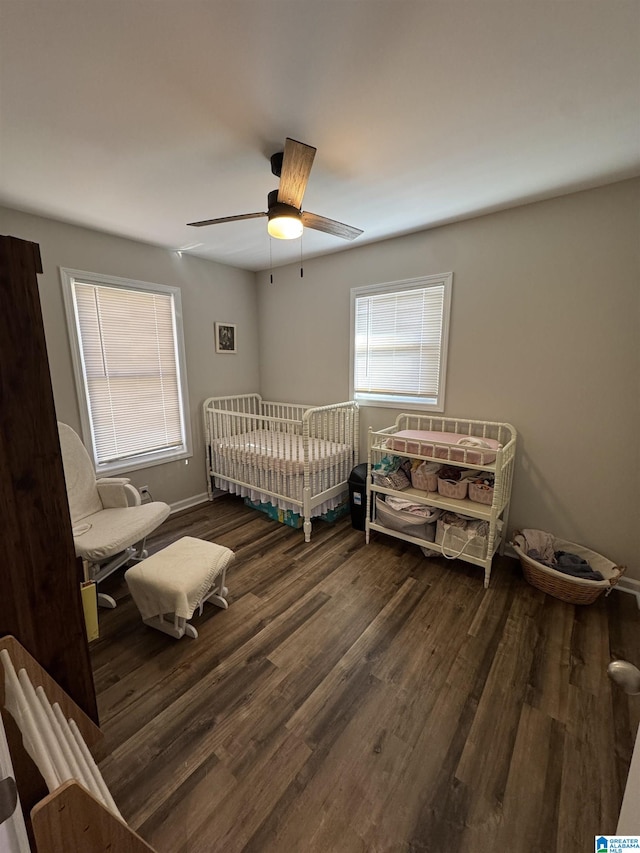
[471,441]
[178,578]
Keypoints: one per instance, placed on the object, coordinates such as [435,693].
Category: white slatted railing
[53,741]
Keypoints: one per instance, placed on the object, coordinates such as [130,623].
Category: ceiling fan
[286,219]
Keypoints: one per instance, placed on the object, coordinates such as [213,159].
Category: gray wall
[544,330]
[209,291]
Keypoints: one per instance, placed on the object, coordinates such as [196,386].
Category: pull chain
[270,262]
[301,270]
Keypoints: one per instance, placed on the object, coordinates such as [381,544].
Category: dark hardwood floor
[364,698]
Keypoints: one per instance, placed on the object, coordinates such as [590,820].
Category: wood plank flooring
[363,698]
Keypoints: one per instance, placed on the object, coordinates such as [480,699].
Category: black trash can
[358,496]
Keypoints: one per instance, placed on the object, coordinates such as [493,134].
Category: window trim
[134,463]
[420,283]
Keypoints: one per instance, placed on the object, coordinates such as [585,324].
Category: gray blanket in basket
[570,564]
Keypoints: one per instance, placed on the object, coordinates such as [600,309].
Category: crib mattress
[281,452]
[461,448]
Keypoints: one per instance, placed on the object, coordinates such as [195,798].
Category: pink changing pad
[425,443]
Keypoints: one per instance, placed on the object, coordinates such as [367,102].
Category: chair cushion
[113,530]
[79,474]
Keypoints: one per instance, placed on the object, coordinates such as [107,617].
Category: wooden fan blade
[296,168]
[330,226]
[226,219]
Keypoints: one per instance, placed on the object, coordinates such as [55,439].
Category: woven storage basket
[452,489]
[566,587]
[425,477]
[481,494]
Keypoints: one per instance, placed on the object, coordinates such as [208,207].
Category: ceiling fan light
[285,227]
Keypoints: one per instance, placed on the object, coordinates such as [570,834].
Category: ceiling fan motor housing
[278,208]
[285,221]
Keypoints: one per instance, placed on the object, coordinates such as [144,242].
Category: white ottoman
[169,586]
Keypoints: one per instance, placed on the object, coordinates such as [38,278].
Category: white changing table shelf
[496,514]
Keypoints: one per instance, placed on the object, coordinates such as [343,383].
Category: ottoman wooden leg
[218,594]
[177,628]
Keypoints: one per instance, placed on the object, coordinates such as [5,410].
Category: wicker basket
[480,493]
[425,476]
[566,587]
[453,489]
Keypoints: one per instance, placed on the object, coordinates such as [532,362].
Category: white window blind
[130,371]
[399,341]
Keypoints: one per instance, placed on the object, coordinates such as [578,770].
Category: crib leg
[306,513]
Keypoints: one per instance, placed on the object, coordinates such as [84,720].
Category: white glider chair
[110,524]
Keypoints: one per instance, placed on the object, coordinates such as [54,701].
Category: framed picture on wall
[225,337]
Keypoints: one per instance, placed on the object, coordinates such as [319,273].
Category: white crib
[292,456]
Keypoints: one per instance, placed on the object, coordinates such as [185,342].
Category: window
[399,342]
[128,354]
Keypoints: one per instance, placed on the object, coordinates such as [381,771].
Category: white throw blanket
[177,579]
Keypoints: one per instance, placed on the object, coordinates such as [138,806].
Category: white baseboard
[629,585]
[187,503]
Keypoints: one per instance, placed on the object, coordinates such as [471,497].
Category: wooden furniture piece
[467,456]
[40,602]
[70,817]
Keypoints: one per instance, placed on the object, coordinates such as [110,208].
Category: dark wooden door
[40,600]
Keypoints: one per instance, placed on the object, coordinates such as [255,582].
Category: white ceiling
[137,116]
